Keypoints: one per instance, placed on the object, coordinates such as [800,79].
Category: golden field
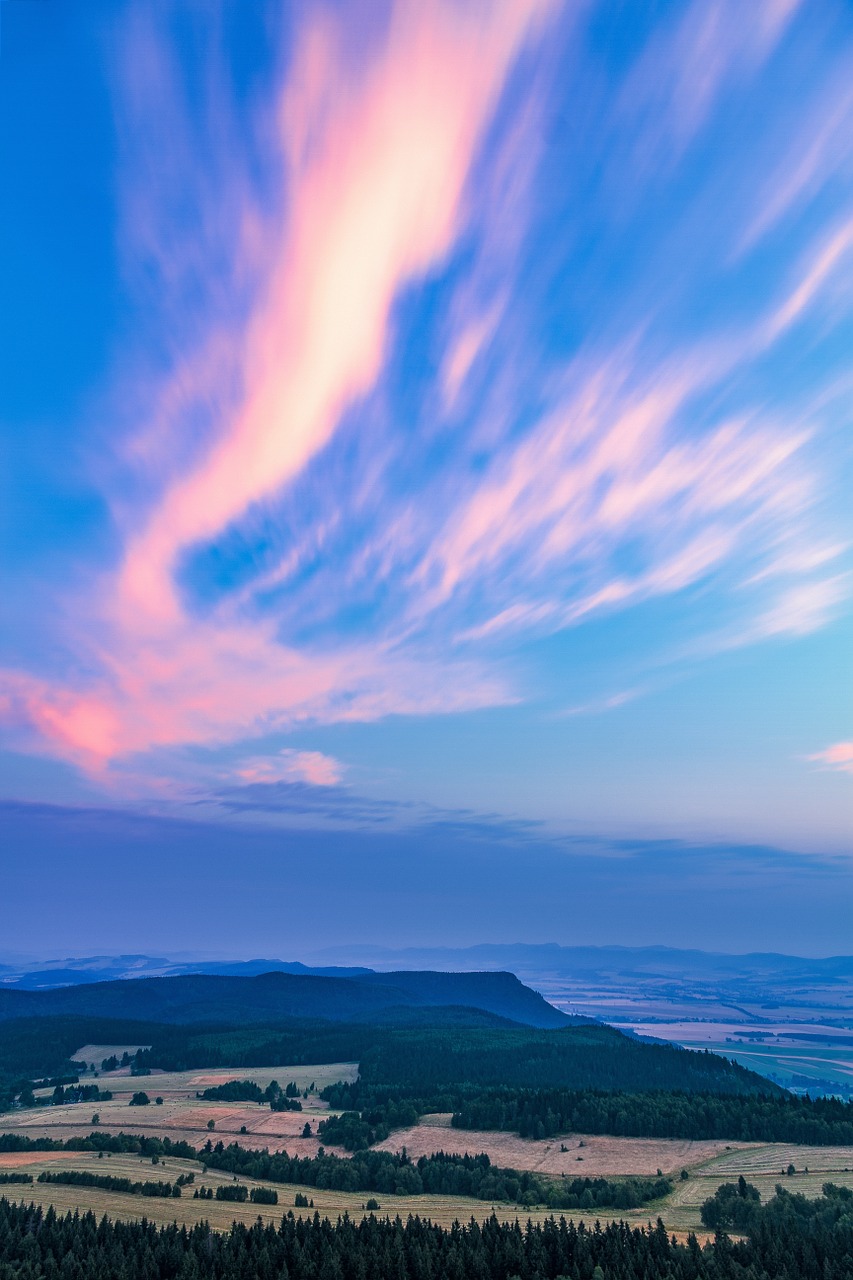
[184,1116]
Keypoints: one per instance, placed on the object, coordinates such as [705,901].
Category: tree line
[286,1099]
[375,1110]
[546,1112]
[792,1239]
[82,1178]
[428,1059]
[394,1173]
[239,1193]
[108,1143]
[389,1173]
[20,1094]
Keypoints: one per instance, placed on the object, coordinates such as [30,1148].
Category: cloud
[391,889]
[805,608]
[322,801]
[686,67]
[376,157]
[598,706]
[392,419]
[814,151]
[827,257]
[608,466]
[838,757]
[313,767]
[302,799]
[376,154]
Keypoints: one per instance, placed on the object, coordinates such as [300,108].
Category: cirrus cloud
[406,422]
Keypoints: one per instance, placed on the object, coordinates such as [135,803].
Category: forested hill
[580,1057]
[197,998]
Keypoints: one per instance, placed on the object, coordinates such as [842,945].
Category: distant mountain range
[525,959]
[251,997]
[575,962]
[71,972]
[617,984]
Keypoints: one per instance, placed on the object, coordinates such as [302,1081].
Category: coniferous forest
[791,1238]
[538,1083]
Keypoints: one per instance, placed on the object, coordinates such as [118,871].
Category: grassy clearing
[94,1054]
[774,1158]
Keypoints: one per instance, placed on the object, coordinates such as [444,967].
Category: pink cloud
[376,156]
[825,260]
[377,159]
[468,345]
[609,463]
[203,683]
[292,766]
[838,757]
[805,607]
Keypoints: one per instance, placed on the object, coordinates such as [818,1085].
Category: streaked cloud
[391,889]
[394,415]
[838,757]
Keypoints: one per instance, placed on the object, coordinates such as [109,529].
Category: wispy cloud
[399,421]
[838,757]
[335,806]
[687,67]
[313,767]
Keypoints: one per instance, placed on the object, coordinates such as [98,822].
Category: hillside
[202,998]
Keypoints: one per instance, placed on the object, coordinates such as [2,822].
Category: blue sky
[430,423]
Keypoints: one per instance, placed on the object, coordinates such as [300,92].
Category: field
[182,1115]
[764,1168]
[587,1155]
[220,1214]
[442,1209]
[796,1031]
[790,1053]
[680,1211]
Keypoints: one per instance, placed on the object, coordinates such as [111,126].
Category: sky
[425,473]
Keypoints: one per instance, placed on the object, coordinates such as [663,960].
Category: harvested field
[680,1210]
[597,1156]
[683,1206]
[775,1158]
[220,1214]
[277,1130]
[18,1159]
[696,1190]
[184,1116]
